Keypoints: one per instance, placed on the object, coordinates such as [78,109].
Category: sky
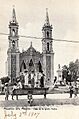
[64,17]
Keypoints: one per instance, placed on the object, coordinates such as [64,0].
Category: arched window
[23,66]
[31,66]
[13,32]
[13,43]
[31,63]
[47,46]
[47,34]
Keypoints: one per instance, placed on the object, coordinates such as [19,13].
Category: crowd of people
[34,80]
[31,80]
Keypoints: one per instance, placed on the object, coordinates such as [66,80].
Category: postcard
[39,59]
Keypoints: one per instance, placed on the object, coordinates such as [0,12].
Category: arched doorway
[31,70]
[40,67]
[31,66]
[23,66]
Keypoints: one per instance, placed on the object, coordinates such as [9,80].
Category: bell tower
[13,50]
[47,49]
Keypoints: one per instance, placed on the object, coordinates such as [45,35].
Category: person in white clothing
[32,75]
[26,78]
[32,79]
[19,85]
[39,78]
[35,77]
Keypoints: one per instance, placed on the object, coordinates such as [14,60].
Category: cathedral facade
[30,60]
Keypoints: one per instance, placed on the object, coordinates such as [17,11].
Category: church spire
[47,17]
[31,44]
[13,15]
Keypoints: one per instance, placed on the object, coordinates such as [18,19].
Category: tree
[73,68]
[5,79]
[77,65]
[71,72]
[64,71]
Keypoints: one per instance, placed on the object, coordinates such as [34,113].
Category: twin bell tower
[14,53]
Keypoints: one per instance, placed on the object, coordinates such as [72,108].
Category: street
[52,99]
[55,105]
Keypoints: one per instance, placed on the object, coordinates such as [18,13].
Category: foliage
[71,72]
[64,71]
[74,69]
[5,79]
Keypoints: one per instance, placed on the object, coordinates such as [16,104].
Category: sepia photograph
[39,59]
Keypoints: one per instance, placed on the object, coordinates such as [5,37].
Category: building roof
[31,51]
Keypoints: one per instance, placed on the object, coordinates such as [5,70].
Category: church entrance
[31,66]
[23,66]
[31,73]
[40,67]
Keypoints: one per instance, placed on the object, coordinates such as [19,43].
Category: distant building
[30,60]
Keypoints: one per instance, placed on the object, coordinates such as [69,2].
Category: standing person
[75,90]
[29,97]
[55,79]
[26,78]
[22,80]
[39,79]
[14,87]
[42,81]
[36,81]
[6,90]
[71,90]
[19,85]
[29,84]
[32,79]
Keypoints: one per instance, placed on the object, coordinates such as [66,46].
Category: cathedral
[30,60]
